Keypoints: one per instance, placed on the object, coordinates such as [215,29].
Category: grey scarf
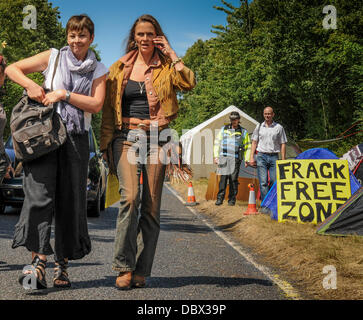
[68,66]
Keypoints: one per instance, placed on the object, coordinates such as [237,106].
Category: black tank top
[134,101]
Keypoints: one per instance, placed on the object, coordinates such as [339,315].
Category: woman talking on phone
[140,96]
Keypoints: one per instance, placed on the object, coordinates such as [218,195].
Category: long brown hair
[2,70]
[2,64]
[131,44]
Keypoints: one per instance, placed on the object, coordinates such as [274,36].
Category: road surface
[192,263]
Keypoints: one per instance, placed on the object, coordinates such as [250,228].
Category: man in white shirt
[269,139]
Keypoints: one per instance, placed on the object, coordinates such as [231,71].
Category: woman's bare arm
[92,104]
[17,72]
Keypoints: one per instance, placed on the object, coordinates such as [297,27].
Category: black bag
[36,129]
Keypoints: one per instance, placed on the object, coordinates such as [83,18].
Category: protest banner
[311,190]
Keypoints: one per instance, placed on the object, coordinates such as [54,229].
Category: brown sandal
[124,280]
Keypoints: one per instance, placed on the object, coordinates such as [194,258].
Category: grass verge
[294,249]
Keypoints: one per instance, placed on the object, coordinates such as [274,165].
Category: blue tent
[269,204]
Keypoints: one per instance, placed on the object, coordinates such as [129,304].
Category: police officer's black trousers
[233,184]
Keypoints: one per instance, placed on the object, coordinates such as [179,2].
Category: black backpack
[36,129]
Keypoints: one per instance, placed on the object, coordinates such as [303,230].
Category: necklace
[141,86]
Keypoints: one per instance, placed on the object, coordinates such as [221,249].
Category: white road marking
[286,287]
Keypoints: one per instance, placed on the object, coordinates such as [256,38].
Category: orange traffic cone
[191,197]
[251,209]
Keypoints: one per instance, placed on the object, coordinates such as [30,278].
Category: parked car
[12,194]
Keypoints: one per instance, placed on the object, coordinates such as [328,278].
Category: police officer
[231,145]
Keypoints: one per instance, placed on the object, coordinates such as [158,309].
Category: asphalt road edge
[286,287]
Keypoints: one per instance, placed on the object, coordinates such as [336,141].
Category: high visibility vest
[232,143]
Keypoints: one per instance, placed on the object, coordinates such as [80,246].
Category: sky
[183,22]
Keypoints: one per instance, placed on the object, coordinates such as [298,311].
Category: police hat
[234,115]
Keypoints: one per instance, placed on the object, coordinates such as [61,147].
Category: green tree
[22,43]
[278,53]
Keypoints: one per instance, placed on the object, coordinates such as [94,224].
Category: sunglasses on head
[234,118]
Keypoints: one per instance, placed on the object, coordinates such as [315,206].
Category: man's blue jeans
[266,163]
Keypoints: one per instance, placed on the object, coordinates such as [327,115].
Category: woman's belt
[133,135]
[142,126]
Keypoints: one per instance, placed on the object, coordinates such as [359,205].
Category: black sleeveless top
[134,101]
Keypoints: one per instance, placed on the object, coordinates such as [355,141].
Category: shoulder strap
[258,135]
[55,70]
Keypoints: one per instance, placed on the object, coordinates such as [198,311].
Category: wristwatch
[68,96]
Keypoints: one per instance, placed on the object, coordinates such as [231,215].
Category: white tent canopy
[198,143]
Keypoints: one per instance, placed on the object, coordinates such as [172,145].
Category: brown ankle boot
[138,281]
[123,281]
